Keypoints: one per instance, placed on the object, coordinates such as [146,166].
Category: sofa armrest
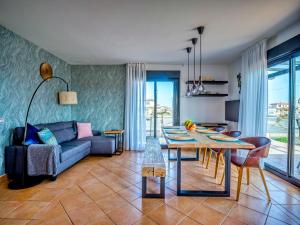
[15,161]
[96,133]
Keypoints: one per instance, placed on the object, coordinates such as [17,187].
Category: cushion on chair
[84,130]
[47,137]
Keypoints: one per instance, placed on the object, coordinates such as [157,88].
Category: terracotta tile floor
[107,190]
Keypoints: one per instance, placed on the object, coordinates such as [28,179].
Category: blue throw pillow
[32,135]
[47,137]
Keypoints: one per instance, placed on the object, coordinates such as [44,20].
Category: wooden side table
[119,140]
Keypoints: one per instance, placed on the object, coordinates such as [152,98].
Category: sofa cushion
[84,130]
[32,135]
[47,137]
[101,144]
[63,131]
[71,148]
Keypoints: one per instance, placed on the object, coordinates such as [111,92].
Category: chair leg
[208,159]
[204,155]
[248,175]
[217,164]
[240,177]
[265,183]
[222,179]
[222,159]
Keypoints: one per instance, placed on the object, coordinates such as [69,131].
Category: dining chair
[218,129]
[220,152]
[252,160]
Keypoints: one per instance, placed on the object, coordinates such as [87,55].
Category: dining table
[199,139]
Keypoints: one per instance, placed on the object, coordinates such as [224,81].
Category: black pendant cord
[34,93]
[189,69]
[194,65]
[200,56]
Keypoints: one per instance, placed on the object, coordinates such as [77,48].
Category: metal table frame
[204,193]
[196,158]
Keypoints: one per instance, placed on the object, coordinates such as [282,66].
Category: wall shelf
[210,95]
[209,82]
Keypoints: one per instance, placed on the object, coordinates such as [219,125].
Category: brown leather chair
[252,160]
[219,152]
[218,129]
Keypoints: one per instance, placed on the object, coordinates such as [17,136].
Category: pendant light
[188,91]
[201,88]
[194,88]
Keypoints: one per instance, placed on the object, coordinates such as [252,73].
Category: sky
[164,92]
[278,90]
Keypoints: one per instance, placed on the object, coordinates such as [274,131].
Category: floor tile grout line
[227,214]
[115,192]
[94,201]
[65,212]
[271,204]
[282,204]
[106,214]
[282,220]
[282,210]
[104,183]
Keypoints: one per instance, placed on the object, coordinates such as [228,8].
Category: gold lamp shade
[46,71]
[67,98]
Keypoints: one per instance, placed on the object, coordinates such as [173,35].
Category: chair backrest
[233,133]
[262,146]
[218,129]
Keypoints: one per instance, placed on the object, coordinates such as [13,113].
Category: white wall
[204,109]
[233,90]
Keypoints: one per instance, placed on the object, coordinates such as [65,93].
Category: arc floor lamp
[64,97]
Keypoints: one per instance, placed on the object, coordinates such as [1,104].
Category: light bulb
[201,88]
[188,92]
[194,90]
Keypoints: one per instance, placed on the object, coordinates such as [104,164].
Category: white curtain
[253,101]
[135,121]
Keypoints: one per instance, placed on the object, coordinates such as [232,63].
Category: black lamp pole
[34,93]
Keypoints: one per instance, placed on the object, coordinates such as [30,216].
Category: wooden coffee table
[119,140]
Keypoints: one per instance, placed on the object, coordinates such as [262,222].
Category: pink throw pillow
[84,130]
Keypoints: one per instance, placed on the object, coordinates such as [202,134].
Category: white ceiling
[151,31]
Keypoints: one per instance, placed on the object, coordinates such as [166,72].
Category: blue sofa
[72,149]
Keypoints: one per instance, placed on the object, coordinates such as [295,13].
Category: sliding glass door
[162,101]
[278,114]
[284,118]
[296,122]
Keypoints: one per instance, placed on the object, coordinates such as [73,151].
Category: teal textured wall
[101,95]
[19,76]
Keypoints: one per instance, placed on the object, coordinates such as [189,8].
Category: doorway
[162,101]
[284,118]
